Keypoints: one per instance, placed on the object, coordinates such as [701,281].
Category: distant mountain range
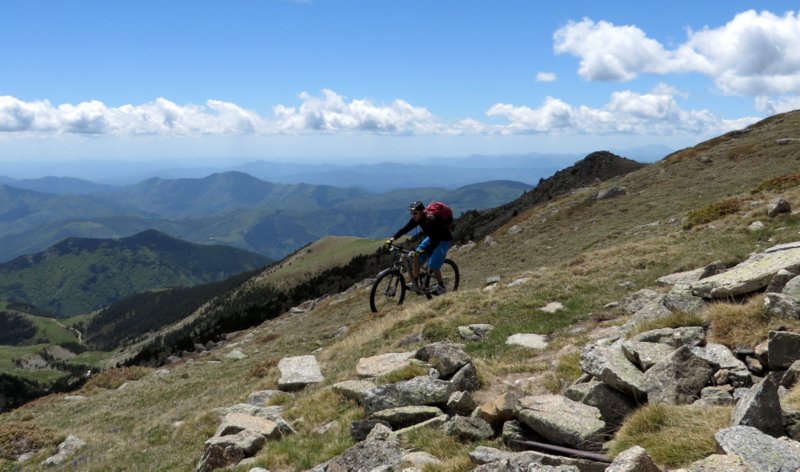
[79,275]
[231,208]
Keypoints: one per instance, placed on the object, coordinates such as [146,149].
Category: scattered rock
[530,340]
[447,358]
[783,350]
[759,451]
[297,372]
[718,463]
[468,428]
[516,229]
[404,416]
[353,389]
[634,459]
[236,422]
[461,403]
[552,307]
[520,281]
[383,364]
[611,193]
[65,449]
[676,337]
[760,408]
[613,405]
[777,207]
[562,421]
[224,451]
[265,397]
[417,391]
[756,226]
[677,379]
[645,355]
[609,365]
[359,429]
[474,332]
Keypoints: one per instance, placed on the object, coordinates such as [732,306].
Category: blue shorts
[436,259]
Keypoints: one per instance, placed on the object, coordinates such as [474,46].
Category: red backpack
[441,212]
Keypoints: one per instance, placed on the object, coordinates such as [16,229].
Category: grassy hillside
[574,249]
[80,275]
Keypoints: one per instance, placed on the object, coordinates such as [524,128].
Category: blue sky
[203,81]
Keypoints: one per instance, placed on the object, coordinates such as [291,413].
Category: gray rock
[781,305]
[760,408]
[684,303]
[404,416]
[461,403]
[513,431]
[265,397]
[645,355]
[720,357]
[447,358]
[224,451]
[468,428]
[474,332]
[715,396]
[613,405]
[562,421]
[365,456]
[466,379]
[791,376]
[677,379]
[497,460]
[777,207]
[609,365]
[651,311]
[759,451]
[431,423]
[784,349]
[383,364]
[236,422]
[417,391]
[359,429]
[530,340]
[297,372]
[791,423]
[792,288]
[756,226]
[676,337]
[682,278]
[637,300]
[718,463]
[779,280]
[67,448]
[634,459]
[353,389]
[751,275]
[611,193]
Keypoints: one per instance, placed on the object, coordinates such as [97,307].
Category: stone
[718,463]
[683,303]
[637,300]
[404,416]
[682,278]
[367,455]
[298,372]
[417,391]
[791,376]
[613,405]
[751,275]
[634,459]
[784,349]
[760,408]
[495,279]
[562,421]
[678,379]
[353,389]
[777,207]
[611,192]
[779,280]
[447,358]
[720,357]
[474,332]
[520,281]
[645,355]
[516,229]
[461,403]
[68,447]
[236,355]
[530,461]
[431,423]
[514,431]
[466,379]
[609,365]
[224,451]
[792,288]
[756,226]
[675,337]
[420,459]
[500,409]
[359,429]
[265,397]
[383,364]
[235,422]
[759,451]
[715,396]
[468,428]
[780,305]
[529,340]
[552,307]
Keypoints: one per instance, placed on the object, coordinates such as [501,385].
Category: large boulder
[759,451]
[468,428]
[404,416]
[613,405]
[496,460]
[609,365]
[417,391]
[675,337]
[677,379]
[562,421]
[297,372]
[645,355]
[720,357]
[634,459]
[379,450]
[750,275]
[760,408]
[783,350]
[383,364]
[224,451]
[447,358]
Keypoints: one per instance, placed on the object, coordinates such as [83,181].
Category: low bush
[712,212]
[779,183]
[19,438]
[112,379]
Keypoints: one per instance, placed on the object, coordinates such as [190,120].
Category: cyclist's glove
[389,241]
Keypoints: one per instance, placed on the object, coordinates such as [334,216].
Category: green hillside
[79,275]
[574,248]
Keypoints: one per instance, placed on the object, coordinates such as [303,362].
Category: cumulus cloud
[546,77]
[626,112]
[754,54]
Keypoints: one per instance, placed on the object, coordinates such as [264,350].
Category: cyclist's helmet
[416,206]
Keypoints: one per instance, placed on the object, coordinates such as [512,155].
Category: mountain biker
[433,248]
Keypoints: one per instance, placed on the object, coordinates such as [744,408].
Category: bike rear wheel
[389,289]
[450,276]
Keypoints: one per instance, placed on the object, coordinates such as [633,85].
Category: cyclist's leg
[437,259]
[422,255]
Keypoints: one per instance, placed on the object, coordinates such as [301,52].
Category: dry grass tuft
[406,373]
[19,438]
[779,183]
[733,324]
[792,399]
[112,379]
[674,436]
[263,369]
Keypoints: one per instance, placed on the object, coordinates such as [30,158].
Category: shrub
[113,378]
[19,438]
[712,212]
[673,435]
[779,183]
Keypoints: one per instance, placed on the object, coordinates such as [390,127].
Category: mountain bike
[390,288]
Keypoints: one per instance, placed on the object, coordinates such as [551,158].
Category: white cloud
[625,112]
[771,106]
[754,54]
[546,77]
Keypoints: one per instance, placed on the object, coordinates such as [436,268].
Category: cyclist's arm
[405,229]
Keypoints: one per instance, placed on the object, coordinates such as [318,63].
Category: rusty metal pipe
[564,451]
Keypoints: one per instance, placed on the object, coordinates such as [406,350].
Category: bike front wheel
[450,276]
[389,289]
